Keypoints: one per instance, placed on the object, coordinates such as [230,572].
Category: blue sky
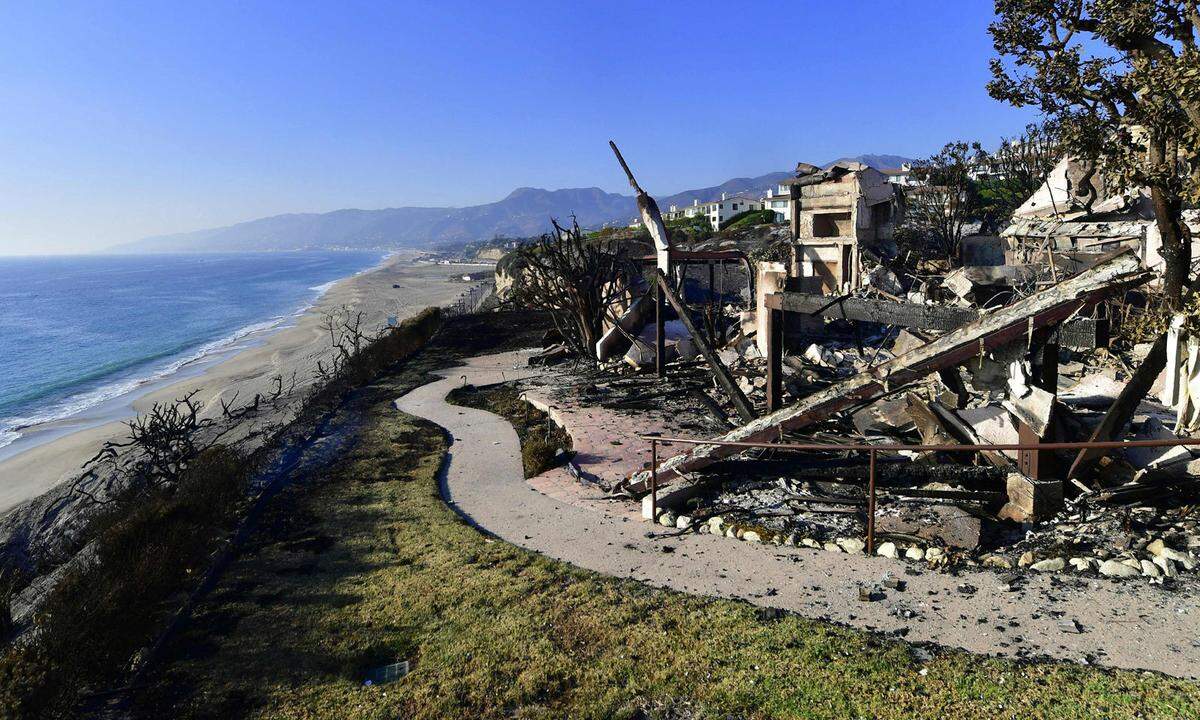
[120,120]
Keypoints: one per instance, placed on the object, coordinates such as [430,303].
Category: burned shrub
[576,279]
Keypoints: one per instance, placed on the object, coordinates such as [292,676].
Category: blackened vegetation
[576,279]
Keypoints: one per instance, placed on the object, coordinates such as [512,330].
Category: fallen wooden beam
[1052,305]
[740,403]
[1122,409]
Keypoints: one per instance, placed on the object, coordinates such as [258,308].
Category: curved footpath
[1061,616]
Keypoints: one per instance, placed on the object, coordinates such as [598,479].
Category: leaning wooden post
[774,331]
[870,506]
[660,336]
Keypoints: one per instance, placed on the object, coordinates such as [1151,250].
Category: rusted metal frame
[744,410]
[721,256]
[667,441]
[774,332]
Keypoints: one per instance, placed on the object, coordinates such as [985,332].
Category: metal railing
[873,450]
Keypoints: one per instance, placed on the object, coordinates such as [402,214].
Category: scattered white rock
[887,550]
[704,529]
[667,519]
[934,554]
[1026,559]
[997,561]
[914,553]
[832,547]
[1167,565]
[1049,565]
[851,545]
[810,543]
[1082,564]
[1149,569]
[731,532]
[1116,568]
[790,540]
[1159,549]
[683,522]
[751,536]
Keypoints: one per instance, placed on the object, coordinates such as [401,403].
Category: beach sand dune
[398,287]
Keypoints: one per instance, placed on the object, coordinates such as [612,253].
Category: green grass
[366,565]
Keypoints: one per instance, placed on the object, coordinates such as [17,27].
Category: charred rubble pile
[880,365]
[847,345]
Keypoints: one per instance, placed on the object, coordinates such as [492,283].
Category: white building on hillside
[776,200]
[901,175]
[718,212]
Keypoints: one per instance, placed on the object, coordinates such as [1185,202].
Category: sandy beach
[397,287]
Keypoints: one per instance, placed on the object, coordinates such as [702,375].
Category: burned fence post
[740,403]
[660,339]
[871,506]
[774,359]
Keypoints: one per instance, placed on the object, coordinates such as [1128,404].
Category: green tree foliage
[939,208]
[1120,80]
[1014,172]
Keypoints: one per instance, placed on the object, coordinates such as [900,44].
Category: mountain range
[525,212]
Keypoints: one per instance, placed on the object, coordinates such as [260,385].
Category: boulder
[1115,568]
[1166,565]
[1081,564]
[1049,565]
[914,553]
[853,546]
[887,550]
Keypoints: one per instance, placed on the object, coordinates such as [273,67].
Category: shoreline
[51,453]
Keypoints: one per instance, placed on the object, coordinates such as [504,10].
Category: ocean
[77,332]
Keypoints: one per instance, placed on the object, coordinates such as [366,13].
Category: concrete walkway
[1128,625]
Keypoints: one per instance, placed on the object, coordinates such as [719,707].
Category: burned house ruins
[999,414]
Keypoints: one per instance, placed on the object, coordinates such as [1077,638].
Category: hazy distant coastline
[53,452]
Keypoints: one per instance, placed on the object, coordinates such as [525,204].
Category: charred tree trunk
[1176,248]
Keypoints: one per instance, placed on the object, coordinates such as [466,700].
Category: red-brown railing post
[871,507]
[654,481]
